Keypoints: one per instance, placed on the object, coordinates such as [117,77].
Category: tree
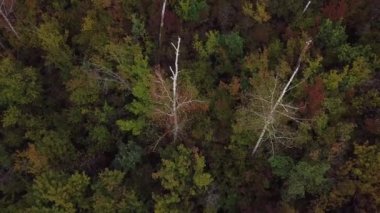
[18,85]
[260,14]
[270,112]
[128,157]
[125,65]
[189,10]
[357,180]
[52,41]
[331,34]
[183,176]
[57,192]
[112,195]
[173,102]
[301,178]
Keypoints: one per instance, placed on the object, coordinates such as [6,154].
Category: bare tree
[162,22]
[273,108]
[172,102]
[105,75]
[6,8]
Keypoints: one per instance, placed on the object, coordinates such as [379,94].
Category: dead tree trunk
[269,118]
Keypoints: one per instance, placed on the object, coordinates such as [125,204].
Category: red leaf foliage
[335,10]
[315,97]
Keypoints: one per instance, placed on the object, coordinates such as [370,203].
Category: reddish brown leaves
[335,10]
[372,125]
[315,97]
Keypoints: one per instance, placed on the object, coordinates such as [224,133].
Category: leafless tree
[105,75]
[171,101]
[273,108]
[6,8]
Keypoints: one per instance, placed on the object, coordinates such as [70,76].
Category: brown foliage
[233,87]
[335,10]
[315,97]
[372,125]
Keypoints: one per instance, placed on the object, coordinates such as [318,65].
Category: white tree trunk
[306,7]
[174,78]
[269,118]
[162,22]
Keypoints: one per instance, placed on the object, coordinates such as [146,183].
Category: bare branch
[270,116]
[4,12]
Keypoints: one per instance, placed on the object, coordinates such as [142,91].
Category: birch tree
[172,101]
[270,112]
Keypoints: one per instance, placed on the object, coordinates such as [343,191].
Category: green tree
[18,85]
[183,176]
[112,195]
[331,34]
[301,178]
[128,156]
[58,192]
[189,10]
[53,42]
[126,61]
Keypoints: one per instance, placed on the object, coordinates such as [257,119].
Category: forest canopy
[189,106]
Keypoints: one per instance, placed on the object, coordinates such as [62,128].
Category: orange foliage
[30,161]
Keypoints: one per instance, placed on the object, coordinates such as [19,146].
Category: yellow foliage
[259,13]
[88,23]
[30,161]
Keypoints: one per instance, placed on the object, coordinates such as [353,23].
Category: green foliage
[331,34]
[286,8]
[209,47]
[53,42]
[18,85]
[281,165]
[111,195]
[57,192]
[11,116]
[260,14]
[359,176]
[56,146]
[138,28]
[83,89]
[132,66]
[183,176]
[128,156]
[233,43]
[78,100]
[347,53]
[350,77]
[307,178]
[189,10]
